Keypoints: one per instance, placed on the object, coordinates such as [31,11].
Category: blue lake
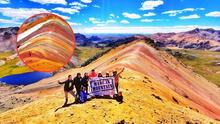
[25,78]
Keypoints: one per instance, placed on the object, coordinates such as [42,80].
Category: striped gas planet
[45,42]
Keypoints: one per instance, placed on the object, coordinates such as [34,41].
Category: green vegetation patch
[201,62]
[84,53]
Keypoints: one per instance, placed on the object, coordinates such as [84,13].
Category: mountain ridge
[155,85]
[205,39]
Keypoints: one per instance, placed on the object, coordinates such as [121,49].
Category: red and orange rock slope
[156,88]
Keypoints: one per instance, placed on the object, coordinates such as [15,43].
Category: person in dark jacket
[100,74]
[78,83]
[107,74]
[85,81]
[68,88]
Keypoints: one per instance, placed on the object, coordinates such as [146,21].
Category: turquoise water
[25,78]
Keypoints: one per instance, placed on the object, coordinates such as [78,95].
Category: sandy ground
[145,101]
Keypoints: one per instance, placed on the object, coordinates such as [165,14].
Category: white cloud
[110,21]
[91,19]
[62,16]
[194,16]
[124,21]
[112,15]
[4,1]
[131,15]
[175,12]
[96,6]
[213,14]
[22,13]
[147,20]
[67,10]
[95,20]
[8,21]
[74,24]
[86,1]
[150,5]
[63,2]
[143,30]
[150,14]
[78,4]
[101,25]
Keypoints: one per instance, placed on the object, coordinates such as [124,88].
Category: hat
[100,72]
[107,72]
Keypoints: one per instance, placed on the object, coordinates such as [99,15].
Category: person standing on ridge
[78,83]
[100,74]
[116,76]
[93,74]
[107,74]
[68,88]
[85,81]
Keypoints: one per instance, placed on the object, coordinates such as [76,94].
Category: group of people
[81,85]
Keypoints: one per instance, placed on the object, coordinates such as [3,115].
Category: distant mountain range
[8,38]
[206,39]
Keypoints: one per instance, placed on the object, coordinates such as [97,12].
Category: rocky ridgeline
[8,38]
[204,39]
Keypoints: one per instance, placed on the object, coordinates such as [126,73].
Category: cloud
[100,23]
[150,5]
[4,1]
[62,16]
[86,1]
[74,23]
[150,14]
[131,15]
[91,19]
[144,29]
[9,21]
[63,2]
[147,20]
[194,16]
[67,10]
[96,6]
[124,21]
[78,4]
[95,20]
[175,12]
[21,13]
[110,21]
[213,14]
[112,15]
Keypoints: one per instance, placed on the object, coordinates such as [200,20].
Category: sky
[118,16]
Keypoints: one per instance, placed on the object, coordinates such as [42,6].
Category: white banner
[102,86]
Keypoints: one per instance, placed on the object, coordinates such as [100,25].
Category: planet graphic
[45,42]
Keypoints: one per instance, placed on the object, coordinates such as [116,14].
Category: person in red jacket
[116,75]
[93,74]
